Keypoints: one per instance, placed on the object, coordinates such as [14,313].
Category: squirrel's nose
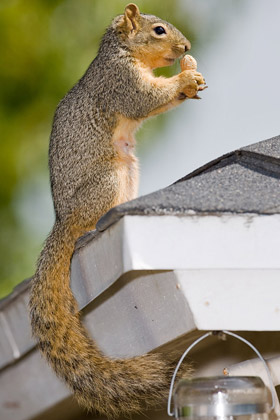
[187,46]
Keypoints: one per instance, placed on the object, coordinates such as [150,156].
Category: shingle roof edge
[259,162]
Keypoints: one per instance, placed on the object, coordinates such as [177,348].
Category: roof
[243,181]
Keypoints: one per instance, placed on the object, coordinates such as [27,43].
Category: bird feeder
[221,397]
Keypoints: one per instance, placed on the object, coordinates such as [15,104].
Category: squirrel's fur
[92,169]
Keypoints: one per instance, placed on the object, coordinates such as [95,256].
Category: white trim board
[223,252]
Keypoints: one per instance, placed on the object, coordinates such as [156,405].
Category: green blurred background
[45,48]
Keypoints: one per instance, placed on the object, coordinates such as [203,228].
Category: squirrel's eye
[159,30]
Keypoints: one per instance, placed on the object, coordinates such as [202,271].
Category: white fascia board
[237,300]
[228,265]
[201,242]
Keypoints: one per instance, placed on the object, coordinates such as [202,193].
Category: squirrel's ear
[132,17]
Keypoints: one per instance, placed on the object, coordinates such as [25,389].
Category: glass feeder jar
[222,397]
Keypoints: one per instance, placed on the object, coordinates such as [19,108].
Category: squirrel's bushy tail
[112,387]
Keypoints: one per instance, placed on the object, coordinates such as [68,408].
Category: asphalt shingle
[244,181]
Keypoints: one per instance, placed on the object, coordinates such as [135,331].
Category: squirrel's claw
[199,88]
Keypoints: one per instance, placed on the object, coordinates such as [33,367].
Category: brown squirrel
[93,168]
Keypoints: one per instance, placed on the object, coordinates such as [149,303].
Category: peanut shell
[188,63]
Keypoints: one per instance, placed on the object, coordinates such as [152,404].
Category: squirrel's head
[150,39]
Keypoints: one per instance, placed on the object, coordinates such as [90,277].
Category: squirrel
[92,169]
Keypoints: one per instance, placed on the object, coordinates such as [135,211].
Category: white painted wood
[201,241]
[28,388]
[233,299]
[229,264]
[141,312]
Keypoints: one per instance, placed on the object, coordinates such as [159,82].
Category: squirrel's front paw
[192,82]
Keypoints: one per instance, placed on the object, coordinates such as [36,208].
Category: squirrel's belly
[126,161]
[123,137]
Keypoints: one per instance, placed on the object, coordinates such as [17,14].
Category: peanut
[188,63]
